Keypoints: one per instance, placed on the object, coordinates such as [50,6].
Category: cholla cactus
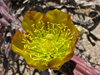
[49,39]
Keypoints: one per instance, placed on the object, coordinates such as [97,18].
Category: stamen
[47,41]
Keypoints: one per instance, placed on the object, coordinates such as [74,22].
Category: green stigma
[48,41]
[49,36]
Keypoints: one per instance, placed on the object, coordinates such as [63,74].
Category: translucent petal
[41,67]
[55,63]
[68,57]
[56,16]
[16,44]
[31,18]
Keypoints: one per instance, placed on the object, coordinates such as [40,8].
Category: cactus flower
[49,39]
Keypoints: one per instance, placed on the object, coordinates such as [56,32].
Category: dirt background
[86,50]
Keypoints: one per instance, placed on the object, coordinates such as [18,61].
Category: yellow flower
[49,39]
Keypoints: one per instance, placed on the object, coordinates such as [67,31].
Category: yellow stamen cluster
[47,41]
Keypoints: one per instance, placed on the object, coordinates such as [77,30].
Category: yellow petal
[29,60]
[55,63]
[41,67]
[38,66]
[72,27]
[68,57]
[16,44]
[74,32]
[31,18]
[34,64]
[74,40]
[56,16]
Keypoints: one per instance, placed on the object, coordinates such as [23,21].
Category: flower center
[49,36]
[48,41]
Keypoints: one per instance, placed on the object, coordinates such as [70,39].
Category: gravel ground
[86,50]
